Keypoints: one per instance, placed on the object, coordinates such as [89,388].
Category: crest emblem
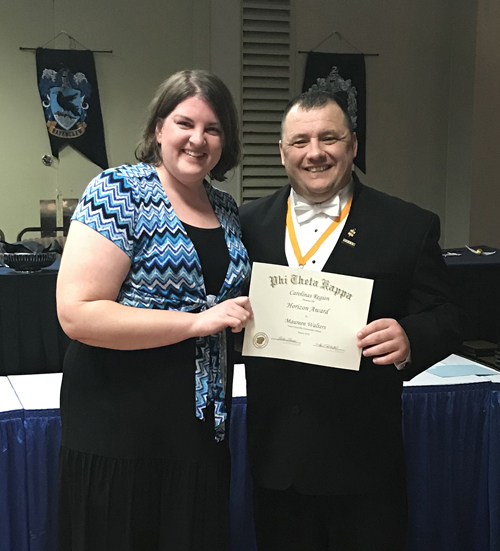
[64,98]
[65,104]
[342,87]
[260,340]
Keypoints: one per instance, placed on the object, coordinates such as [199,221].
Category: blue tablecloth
[452,436]
[29,446]
[14,528]
[452,442]
[43,438]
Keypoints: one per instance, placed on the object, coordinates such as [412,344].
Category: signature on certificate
[287,340]
[329,347]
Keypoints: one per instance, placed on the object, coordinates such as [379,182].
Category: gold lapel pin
[352,232]
[348,242]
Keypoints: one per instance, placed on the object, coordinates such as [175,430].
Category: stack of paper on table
[455,370]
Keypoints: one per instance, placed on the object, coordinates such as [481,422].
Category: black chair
[35,229]
[45,241]
[2,236]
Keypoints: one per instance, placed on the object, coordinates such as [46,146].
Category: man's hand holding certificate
[306,316]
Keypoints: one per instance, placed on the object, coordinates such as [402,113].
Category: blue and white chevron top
[130,207]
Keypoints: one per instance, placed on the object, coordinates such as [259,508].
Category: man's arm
[431,330]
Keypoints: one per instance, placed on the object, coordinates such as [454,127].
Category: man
[325,444]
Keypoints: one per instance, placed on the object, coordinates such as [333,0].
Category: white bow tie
[305,211]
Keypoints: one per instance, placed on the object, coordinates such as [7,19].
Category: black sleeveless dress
[137,470]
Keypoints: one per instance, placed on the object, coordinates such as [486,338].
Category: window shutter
[265,93]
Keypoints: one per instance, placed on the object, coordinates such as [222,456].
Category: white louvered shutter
[265,93]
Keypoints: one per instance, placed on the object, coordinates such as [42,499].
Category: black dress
[138,470]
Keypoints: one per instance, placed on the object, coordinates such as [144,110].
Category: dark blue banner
[67,82]
[343,74]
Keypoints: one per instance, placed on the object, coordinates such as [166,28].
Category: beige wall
[460,118]
[433,111]
[413,102]
[431,92]
[485,197]
[150,40]
[225,61]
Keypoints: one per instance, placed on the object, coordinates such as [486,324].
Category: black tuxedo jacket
[334,431]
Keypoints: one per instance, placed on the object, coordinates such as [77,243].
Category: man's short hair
[315,99]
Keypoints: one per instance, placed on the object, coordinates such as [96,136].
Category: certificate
[306,316]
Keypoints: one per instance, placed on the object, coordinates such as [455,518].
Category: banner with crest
[343,74]
[67,82]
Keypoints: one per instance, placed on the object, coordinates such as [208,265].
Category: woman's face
[190,140]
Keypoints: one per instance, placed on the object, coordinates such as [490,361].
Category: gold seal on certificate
[306,316]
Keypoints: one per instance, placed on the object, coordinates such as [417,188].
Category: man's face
[317,151]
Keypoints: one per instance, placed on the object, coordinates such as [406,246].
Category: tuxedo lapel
[267,240]
[344,258]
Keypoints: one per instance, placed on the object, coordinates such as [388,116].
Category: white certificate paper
[306,316]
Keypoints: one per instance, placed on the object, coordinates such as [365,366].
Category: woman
[152,275]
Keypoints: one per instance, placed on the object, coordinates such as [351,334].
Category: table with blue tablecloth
[452,437]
